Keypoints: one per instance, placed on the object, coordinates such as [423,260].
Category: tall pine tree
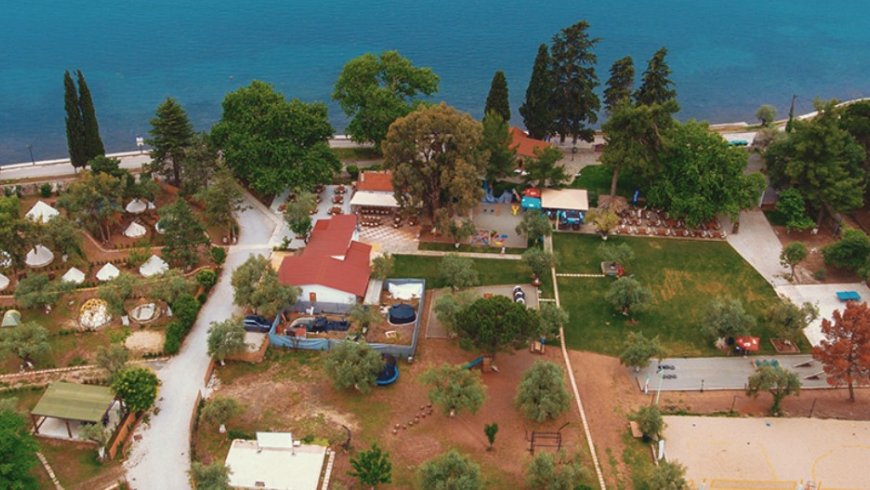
[574,101]
[93,142]
[75,130]
[536,111]
[171,136]
[620,83]
[656,87]
[497,100]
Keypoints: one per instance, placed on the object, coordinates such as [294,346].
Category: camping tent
[138,206]
[38,256]
[12,318]
[108,272]
[153,266]
[41,212]
[74,276]
[135,230]
[4,282]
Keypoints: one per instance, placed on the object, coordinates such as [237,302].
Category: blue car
[257,323]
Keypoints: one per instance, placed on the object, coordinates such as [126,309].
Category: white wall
[326,294]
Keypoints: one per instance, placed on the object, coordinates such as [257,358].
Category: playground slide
[474,362]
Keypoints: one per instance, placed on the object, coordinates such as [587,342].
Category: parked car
[257,323]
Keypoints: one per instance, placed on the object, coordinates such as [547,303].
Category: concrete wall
[326,294]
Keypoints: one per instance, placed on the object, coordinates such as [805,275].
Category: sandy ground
[833,453]
[145,342]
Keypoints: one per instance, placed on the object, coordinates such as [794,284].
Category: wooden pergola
[70,401]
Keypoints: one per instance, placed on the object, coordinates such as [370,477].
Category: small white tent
[108,272]
[153,266]
[159,228]
[74,276]
[135,230]
[4,282]
[41,212]
[136,206]
[38,256]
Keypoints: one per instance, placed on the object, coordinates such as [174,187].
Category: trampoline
[390,373]
[402,314]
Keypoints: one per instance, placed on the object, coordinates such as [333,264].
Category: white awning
[135,230]
[568,199]
[4,282]
[41,212]
[374,199]
[108,272]
[74,276]
[39,256]
[153,266]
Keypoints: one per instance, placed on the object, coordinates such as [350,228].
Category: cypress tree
[497,100]
[575,103]
[619,84]
[93,142]
[75,132]
[171,133]
[497,141]
[656,87]
[536,112]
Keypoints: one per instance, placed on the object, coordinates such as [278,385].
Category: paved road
[160,459]
[758,244]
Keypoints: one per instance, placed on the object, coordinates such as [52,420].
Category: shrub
[206,278]
[202,298]
[174,336]
[45,190]
[185,308]
[137,257]
[218,255]
[353,171]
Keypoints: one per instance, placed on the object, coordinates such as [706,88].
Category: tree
[543,473]
[375,91]
[461,231]
[726,318]
[766,114]
[790,320]
[448,306]
[451,471]
[793,254]
[353,365]
[538,261]
[496,323]
[222,197]
[855,118]
[136,387]
[113,359]
[91,129]
[627,295]
[845,350]
[776,380]
[621,254]
[215,476]
[575,103]
[497,100]
[297,214]
[99,434]
[94,200]
[75,129]
[535,226]
[649,421]
[200,165]
[183,234]
[536,109]
[620,83]
[62,236]
[793,209]
[171,285]
[27,341]
[225,339]
[553,319]
[117,291]
[17,451]
[16,234]
[38,291]
[822,161]
[667,475]
[382,266]
[434,155]
[541,394]
[850,251]
[256,285]
[171,136]
[273,144]
[496,141]
[454,388]
[458,272]
[220,410]
[364,315]
[655,86]
[372,467]
[490,430]
[701,176]
[545,169]
[638,350]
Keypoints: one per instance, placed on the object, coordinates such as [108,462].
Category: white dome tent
[153,266]
[38,256]
[138,206]
[74,276]
[159,228]
[41,213]
[135,230]
[108,272]
[4,282]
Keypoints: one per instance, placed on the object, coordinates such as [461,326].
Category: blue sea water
[727,57]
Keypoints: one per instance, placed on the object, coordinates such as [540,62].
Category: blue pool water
[727,57]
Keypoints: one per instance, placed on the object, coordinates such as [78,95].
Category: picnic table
[848,296]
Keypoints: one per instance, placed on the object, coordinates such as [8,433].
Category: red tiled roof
[375,181]
[332,236]
[525,145]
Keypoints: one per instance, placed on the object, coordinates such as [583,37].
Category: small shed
[12,318]
[41,213]
[68,402]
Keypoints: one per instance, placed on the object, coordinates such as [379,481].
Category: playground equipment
[570,218]
[505,197]
[546,439]
[390,373]
[473,363]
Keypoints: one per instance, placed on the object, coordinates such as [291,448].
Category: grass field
[596,180]
[684,276]
[490,271]
[449,247]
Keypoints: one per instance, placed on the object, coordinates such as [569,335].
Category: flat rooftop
[272,468]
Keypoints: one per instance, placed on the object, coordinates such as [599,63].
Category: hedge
[185,309]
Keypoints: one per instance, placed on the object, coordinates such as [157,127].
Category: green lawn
[683,275]
[596,180]
[449,247]
[490,271]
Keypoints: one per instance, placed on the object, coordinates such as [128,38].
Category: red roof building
[375,181]
[525,145]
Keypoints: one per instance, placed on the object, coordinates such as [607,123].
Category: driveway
[160,458]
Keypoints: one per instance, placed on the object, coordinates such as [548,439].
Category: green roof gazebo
[70,401]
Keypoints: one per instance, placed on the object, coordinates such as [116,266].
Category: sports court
[770,453]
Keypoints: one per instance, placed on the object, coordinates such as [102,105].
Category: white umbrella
[4,282]
[153,266]
[108,272]
[39,256]
[135,230]
[41,212]
[74,276]
[136,206]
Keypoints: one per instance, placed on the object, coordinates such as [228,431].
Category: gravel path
[160,458]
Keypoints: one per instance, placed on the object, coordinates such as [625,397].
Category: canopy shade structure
[747,343]
[70,401]
[12,318]
[135,230]
[4,282]
[568,199]
[107,273]
[374,199]
[153,266]
[74,276]
[39,256]
[138,206]
[41,212]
